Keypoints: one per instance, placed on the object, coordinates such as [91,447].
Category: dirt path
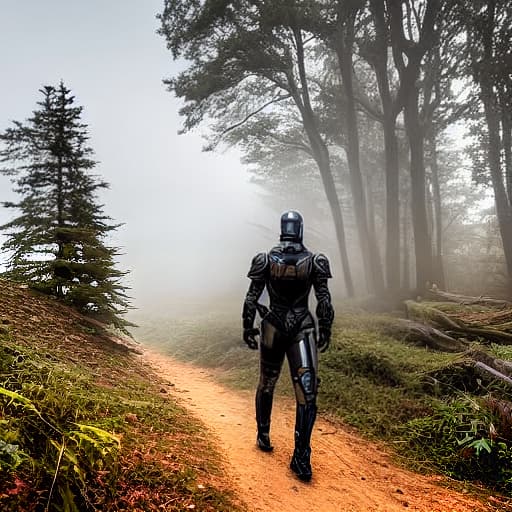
[350,474]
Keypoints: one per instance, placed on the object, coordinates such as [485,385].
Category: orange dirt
[350,474]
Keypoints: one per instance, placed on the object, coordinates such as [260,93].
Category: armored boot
[263,439]
[263,411]
[305,419]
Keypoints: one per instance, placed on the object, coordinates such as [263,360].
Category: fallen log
[438,295]
[504,367]
[486,370]
[422,334]
[423,312]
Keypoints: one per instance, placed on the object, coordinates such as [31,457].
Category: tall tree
[374,42]
[254,51]
[488,24]
[414,32]
[340,36]
[57,243]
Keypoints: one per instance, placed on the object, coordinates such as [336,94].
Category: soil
[350,474]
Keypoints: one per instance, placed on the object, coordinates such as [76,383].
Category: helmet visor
[290,228]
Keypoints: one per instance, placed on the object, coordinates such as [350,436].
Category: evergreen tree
[57,243]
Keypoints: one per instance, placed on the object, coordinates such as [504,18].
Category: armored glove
[250,338]
[324,339]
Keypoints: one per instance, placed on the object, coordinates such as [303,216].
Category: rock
[131,418]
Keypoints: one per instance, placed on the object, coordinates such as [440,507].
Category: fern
[17,399]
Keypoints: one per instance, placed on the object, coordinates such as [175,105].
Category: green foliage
[57,243]
[10,455]
[461,438]
[48,442]
[65,442]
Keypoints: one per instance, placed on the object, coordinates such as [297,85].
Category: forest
[388,125]
[392,119]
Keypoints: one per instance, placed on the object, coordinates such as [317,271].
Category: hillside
[85,424]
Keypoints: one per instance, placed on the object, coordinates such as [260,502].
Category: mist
[191,220]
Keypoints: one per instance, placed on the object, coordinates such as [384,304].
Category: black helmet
[291,226]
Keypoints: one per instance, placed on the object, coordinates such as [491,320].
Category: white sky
[187,213]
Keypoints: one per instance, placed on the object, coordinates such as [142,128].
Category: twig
[56,472]
[255,112]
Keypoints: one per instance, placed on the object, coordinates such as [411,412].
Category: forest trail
[349,473]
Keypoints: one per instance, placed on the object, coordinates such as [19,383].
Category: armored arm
[324,309]
[257,276]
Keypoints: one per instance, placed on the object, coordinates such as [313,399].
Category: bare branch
[245,119]
[295,144]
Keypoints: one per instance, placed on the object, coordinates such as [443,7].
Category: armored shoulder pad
[258,266]
[321,266]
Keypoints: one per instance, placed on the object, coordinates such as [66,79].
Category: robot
[289,271]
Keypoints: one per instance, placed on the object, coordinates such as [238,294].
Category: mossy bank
[86,425]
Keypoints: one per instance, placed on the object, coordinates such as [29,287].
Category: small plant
[79,455]
[462,440]
[10,456]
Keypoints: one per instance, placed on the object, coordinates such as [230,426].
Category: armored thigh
[272,351]
[302,359]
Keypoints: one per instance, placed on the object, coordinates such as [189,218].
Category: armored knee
[268,380]
[305,384]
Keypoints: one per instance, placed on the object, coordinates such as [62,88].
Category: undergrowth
[426,404]
[96,435]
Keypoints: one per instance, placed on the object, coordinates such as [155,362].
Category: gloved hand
[324,339]
[250,338]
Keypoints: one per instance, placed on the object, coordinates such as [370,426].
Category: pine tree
[57,243]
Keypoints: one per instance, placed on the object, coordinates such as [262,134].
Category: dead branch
[426,335]
[438,295]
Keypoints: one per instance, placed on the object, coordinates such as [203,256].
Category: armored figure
[289,271]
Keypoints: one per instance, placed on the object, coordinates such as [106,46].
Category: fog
[190,218]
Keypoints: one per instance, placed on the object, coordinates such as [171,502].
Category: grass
[86,427]
[426,404]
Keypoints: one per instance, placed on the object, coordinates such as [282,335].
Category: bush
[462,439]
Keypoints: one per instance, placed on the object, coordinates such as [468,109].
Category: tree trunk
[438,216]
[371,209]
[60,219]
[392,203]
[422,241]
[324,166]
[368,244]
[506,125]
[408,56]
[484,74]
[406,263]
[380,65]
[503,207]
[321,155]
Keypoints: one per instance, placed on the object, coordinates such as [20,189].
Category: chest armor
[296,267]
